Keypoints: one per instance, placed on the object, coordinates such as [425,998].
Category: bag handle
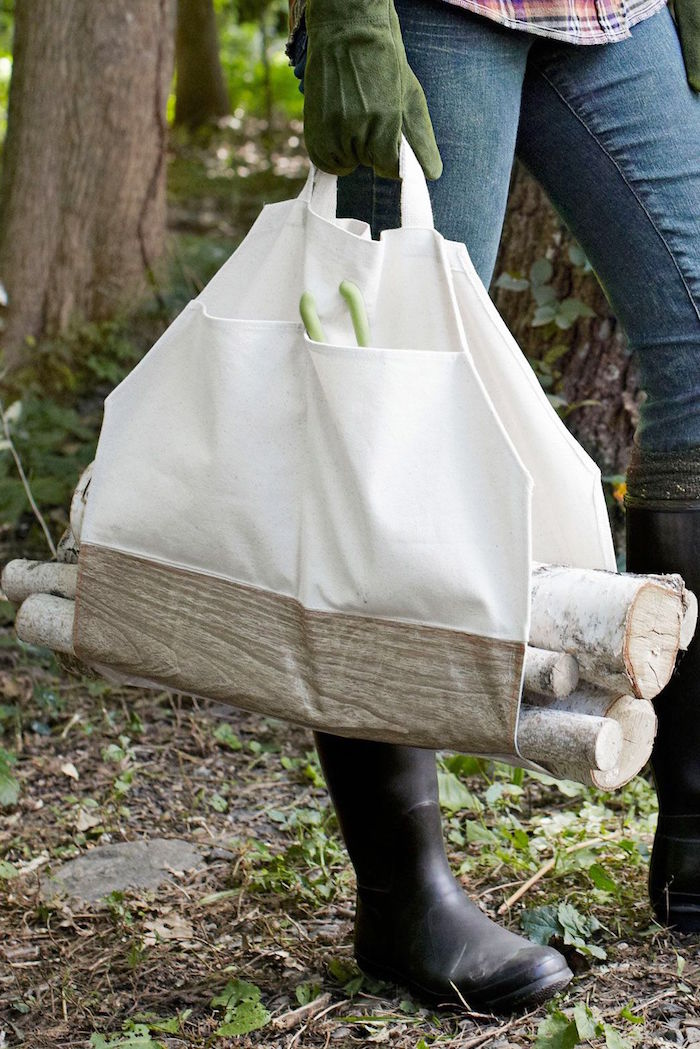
[321,192]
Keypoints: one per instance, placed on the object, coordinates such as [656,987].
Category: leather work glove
[687,17]
[360,93]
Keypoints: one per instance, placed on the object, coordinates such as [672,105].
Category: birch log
[635,717]
[79,501]
[567,743]
[44,619]
[552,673]
[624,630]
[20,578]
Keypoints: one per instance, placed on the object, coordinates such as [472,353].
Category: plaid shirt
[577,21]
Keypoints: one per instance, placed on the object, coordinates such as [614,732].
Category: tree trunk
[201,94]
[596,365]
[82,196]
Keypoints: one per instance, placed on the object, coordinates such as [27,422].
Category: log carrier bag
[336,535]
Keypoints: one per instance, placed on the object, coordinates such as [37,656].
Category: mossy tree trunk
[596,366]
[201,94]
[82,194]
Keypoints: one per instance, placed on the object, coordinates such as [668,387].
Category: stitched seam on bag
[278,595]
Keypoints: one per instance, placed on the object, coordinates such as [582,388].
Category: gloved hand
[360,93]
[687,16]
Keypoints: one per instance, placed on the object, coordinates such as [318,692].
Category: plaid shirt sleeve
[576,21]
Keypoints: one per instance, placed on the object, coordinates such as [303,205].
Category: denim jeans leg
[612,132]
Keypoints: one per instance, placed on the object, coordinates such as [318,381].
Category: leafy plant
[552,315]
[242,1009]
[563,921]
[582,1025]
[9,784]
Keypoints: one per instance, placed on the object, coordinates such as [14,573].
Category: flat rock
[143,864]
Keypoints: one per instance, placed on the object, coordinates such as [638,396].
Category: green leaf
[454,795]
[632,1018]
[572,309]
[540,924]
[511,283]
[138,1037]
[541,271]
[614,1040]
[307,992]
[585,1024]
[235,992]
[556,1032]
[9,784]
[7,870]
[544,294]
[248,1016]
[477,832]
[225,735]
[218,803]
[577,256]
[601,880]
[341,970]
[543,315]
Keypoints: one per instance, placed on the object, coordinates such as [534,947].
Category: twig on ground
[545,869]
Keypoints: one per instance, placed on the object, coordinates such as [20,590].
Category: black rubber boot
[414,925]
[665,537]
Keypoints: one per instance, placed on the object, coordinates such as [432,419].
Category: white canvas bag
[341,536]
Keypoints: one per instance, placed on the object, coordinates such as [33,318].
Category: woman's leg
[613,135]
[414,923]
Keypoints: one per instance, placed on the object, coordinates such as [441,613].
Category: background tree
[559,315]
[201,92]
[82,195]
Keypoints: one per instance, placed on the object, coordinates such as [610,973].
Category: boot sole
[526,997]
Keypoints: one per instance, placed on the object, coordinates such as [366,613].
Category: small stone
[692,1035]
[143,864]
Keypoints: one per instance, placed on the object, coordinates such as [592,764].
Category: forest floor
[271,903]
[259,934]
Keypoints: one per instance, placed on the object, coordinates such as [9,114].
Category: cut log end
[551,673]
[567,743]
[653,633]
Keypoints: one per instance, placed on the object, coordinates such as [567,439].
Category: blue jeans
[612,133]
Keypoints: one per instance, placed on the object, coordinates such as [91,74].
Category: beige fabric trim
[351,675]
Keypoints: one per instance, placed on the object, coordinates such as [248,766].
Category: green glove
[687,16]
[360,93]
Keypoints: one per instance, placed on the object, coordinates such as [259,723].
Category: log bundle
[596,723]
[602,646]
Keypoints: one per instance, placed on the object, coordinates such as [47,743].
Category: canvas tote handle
[321,192]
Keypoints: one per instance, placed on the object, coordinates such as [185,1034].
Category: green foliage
[54,444]
[551,315]
[312,867]
[581,1025]
[9,784]
[224,734]
[242,1009]
[564,922]
[137,1036]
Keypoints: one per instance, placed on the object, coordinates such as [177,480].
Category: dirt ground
[273,901]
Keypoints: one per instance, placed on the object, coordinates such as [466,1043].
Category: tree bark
[597,365]
[201,94]
[82,195]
